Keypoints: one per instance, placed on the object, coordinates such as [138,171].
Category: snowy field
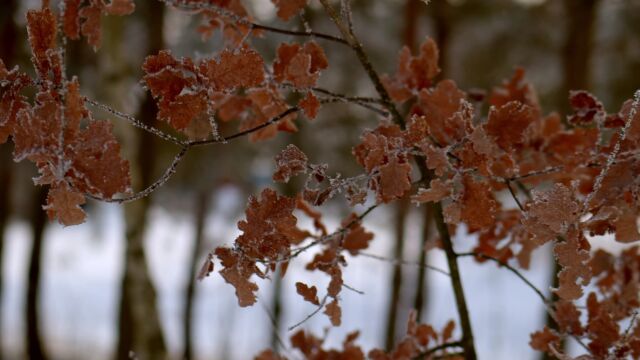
[82,272]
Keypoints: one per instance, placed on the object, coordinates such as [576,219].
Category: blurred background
[126,278]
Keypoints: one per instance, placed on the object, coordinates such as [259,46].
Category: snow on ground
[82,270]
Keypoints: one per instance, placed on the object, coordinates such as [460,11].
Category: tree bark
[202,206]
[421,301]
[442,20]
[580,28]
[38,220]
[140,332]
[402,209]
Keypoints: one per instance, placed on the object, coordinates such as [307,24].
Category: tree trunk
[442,19]
[8,36]
[581,16]
[140,332]
[420,301]
[38,220]
[202,205]
[402,208]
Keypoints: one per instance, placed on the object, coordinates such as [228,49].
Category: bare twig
[312,314]
[404,262]
[510,268]
[135,122]
[184,5]
[616,149]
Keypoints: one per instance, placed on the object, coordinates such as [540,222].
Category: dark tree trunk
[38,220]
[420,301]
[202,205]
[402,209]
[411,16]
[441,13]
[580,28]
[8,36]
[140,332]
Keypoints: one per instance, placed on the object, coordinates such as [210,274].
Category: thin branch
[312,314]
[510,268]
[347,98]
[181,4]
[151,188]
[616,149]
[513,194]
[135,122]
[404,262]
[443,230]
[226,139]
[355,44]
[346,286]
[274,326]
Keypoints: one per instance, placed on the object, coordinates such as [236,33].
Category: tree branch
[181,4]
[456,281]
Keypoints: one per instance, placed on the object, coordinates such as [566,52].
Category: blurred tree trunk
[202,206]
[38,221]
[8,49]
[401,211]
[580,28]
[421,301]
[440,11]
[5,212]
[140,332]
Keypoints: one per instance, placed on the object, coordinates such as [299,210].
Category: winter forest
[319,179]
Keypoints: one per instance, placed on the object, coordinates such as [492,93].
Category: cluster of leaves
[582,169]
[573,176]
[75,154]
[420,341]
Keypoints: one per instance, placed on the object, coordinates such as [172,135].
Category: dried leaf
[586,108]
[437,191]
[334,313]
[243,68]
[64,204]
[508,123]
[289,8]
[290,162]
[310,105]
[237,272]
[299,65]
[310,294]
[356,238]
[395,180]
[541,340]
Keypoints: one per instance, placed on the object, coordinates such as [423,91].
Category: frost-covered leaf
[299,65]
[289,8]
[64,204]
[437,191]
[290,162]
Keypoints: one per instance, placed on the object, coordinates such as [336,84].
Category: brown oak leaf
[290,162]
[310,294]
[333,311]
[289,8]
